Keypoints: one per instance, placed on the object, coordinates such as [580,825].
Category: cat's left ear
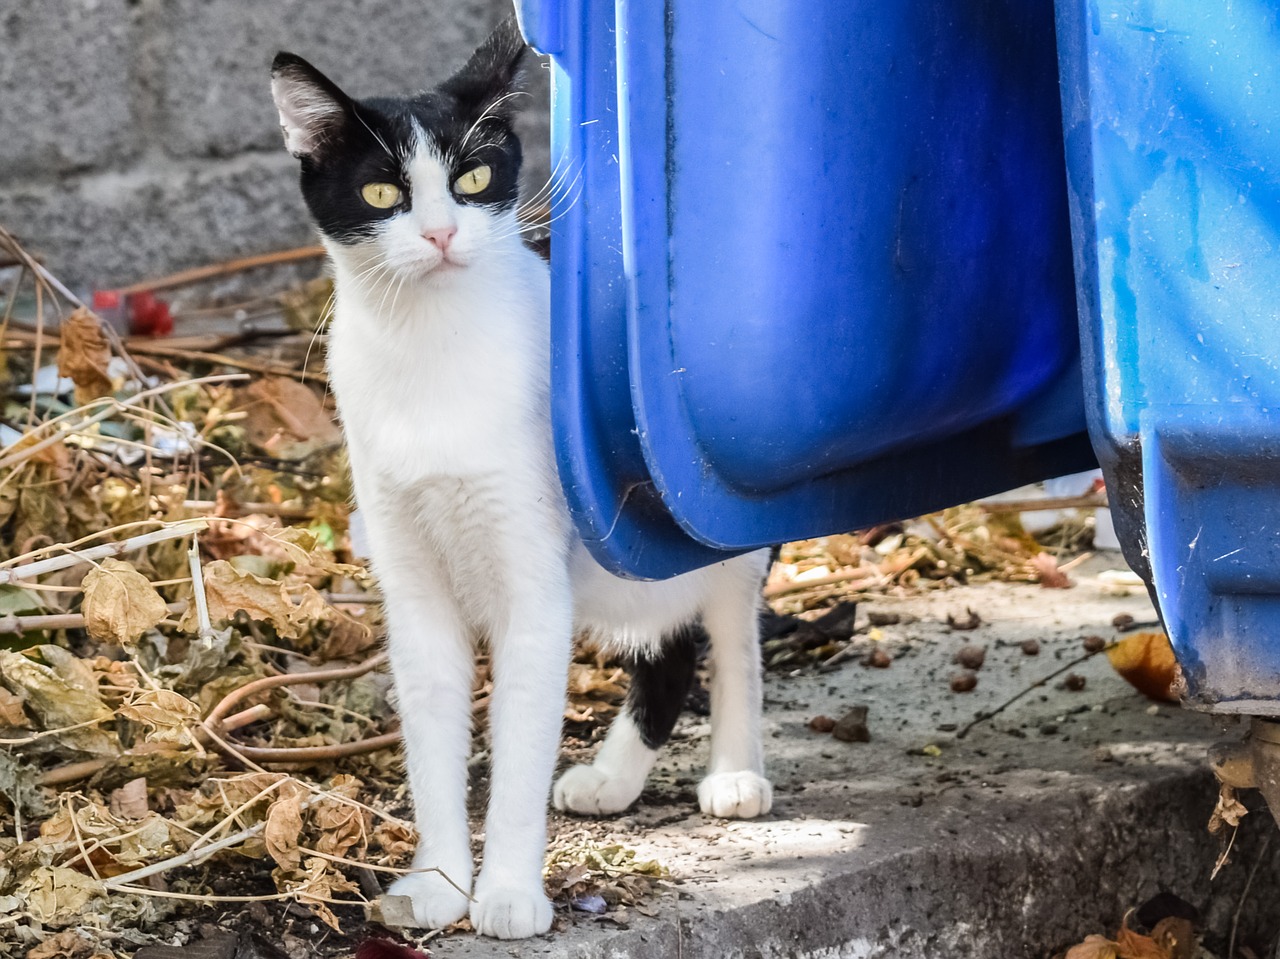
[493,71]
[313,110]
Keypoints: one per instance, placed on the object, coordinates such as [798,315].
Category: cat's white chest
[449,396]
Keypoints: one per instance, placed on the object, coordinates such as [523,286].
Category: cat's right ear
[312,108]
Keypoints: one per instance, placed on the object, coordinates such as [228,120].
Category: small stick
[74,558]
[198,854]
[310,754]
[197,589]
[1088,501]
[1036,685]
[1244,895]
[213,725]
[215,270]
[71,772]
[1072,564]
[254,366]
[214,719]
[840,656]
[114,406]
[14,624]
[794,586]
[244,509]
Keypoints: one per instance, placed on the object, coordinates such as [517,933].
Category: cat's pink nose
[440,237]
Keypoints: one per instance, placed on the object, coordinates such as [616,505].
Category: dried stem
[186,527]
[24,452]
[197,589]
[213,725]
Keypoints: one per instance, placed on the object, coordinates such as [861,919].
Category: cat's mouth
[439,266]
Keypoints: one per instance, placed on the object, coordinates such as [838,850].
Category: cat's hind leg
[735,786]
[660,683]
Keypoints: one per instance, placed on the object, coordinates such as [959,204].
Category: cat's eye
[382,196]
[473,181]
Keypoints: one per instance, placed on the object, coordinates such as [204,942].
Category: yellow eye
[473,181]
[383,196]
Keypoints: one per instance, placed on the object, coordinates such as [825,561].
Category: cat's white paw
[436,904]
[511,912]
[588,791]
[740,795]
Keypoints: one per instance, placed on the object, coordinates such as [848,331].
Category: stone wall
[138,137]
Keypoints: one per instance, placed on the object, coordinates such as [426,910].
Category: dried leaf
[230,591]
[286,418]
[1094,947]
[1147,662]
[130,800]
[68,944]
[348,637]
[341,825]
[284,826]
[318,883]
[120,604]
[83,356]
[11,712]
[56,895]
[169,717]
[1228,811]
[1132,945]
[60,697]
[396,839]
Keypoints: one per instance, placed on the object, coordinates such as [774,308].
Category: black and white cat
[439,357]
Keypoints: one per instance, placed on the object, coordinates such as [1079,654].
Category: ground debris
[594,877]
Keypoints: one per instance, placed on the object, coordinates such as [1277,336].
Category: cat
[439,358]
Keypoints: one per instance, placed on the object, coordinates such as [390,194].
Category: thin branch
[1088,501]
[186,527]
[214,719]
[796,586]
[213,271]
[18,452]
[1244,895]
[197,589]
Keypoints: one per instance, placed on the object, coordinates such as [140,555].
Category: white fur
[441,371]
[306,113]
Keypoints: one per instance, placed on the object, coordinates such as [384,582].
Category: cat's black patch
[466,120]
[660,685]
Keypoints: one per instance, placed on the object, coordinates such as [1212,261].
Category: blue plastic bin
[1172,118]
[817,272]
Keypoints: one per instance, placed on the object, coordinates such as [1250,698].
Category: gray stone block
[106,230]
[65,85]
[213,58]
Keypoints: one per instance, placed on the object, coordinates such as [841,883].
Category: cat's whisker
[326,312]
[488,114]
[523,226]
[532,226]
[373,133]
[548,189]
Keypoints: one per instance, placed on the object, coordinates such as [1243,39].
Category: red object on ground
[377,948]
[137,314]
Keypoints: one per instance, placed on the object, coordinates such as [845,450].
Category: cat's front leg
[530,666]
[433,667]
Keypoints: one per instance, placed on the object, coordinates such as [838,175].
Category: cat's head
[420,186]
